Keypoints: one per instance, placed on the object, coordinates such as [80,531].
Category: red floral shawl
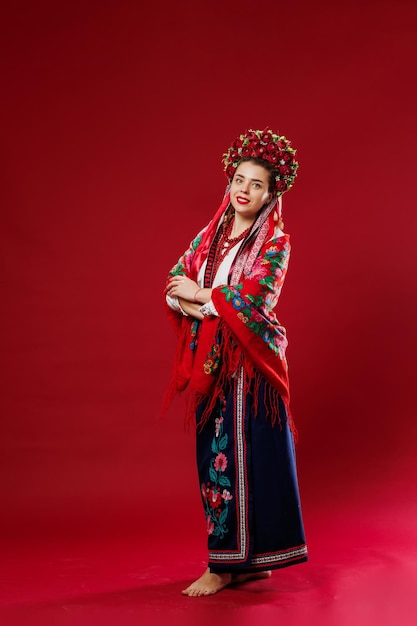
[246,333]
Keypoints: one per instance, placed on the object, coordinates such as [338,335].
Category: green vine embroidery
[216,495]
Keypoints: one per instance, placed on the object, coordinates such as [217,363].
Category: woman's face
[249,189]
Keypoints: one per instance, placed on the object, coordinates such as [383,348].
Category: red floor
[362,571]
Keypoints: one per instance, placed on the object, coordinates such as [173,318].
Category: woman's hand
[182,287]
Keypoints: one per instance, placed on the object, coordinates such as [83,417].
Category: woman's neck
[240,224]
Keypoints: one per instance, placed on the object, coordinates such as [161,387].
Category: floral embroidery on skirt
[215,493]
[248,483]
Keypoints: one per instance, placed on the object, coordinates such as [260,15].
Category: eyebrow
[254,180]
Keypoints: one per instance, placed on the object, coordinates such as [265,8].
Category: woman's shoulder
[279,236]
[279,233]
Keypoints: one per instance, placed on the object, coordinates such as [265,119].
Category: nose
[245,187]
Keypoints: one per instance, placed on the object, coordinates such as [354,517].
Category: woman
[221,297]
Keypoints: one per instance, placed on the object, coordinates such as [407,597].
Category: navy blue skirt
[248,481]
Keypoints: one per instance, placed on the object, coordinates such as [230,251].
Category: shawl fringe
[232,359]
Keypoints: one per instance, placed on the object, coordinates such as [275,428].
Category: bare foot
[243,578]
[208,584]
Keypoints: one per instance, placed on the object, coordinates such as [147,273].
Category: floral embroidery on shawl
[183,266]
[255,311]
[193,332]
[213,359]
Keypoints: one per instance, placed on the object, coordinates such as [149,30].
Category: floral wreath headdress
[266,145]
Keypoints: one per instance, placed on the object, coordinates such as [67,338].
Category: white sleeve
[208,309]
[173,304]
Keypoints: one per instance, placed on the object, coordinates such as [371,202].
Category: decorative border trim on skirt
[280,558]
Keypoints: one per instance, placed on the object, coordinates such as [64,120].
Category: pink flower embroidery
[257,317]
[226,495]
[220,462]
[258,272]
[210,525]
[218,421]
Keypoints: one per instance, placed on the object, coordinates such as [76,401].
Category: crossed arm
[189,294]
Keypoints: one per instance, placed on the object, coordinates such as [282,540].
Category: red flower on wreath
[285,170]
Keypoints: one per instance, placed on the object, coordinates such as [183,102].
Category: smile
[242,200]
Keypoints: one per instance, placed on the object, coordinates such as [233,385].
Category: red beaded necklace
[226,243]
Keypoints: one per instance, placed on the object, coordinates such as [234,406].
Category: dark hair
[268,167]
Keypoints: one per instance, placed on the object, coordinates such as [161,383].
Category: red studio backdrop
[115,117]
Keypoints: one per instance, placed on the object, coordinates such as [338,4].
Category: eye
[256,186]
[238,180]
